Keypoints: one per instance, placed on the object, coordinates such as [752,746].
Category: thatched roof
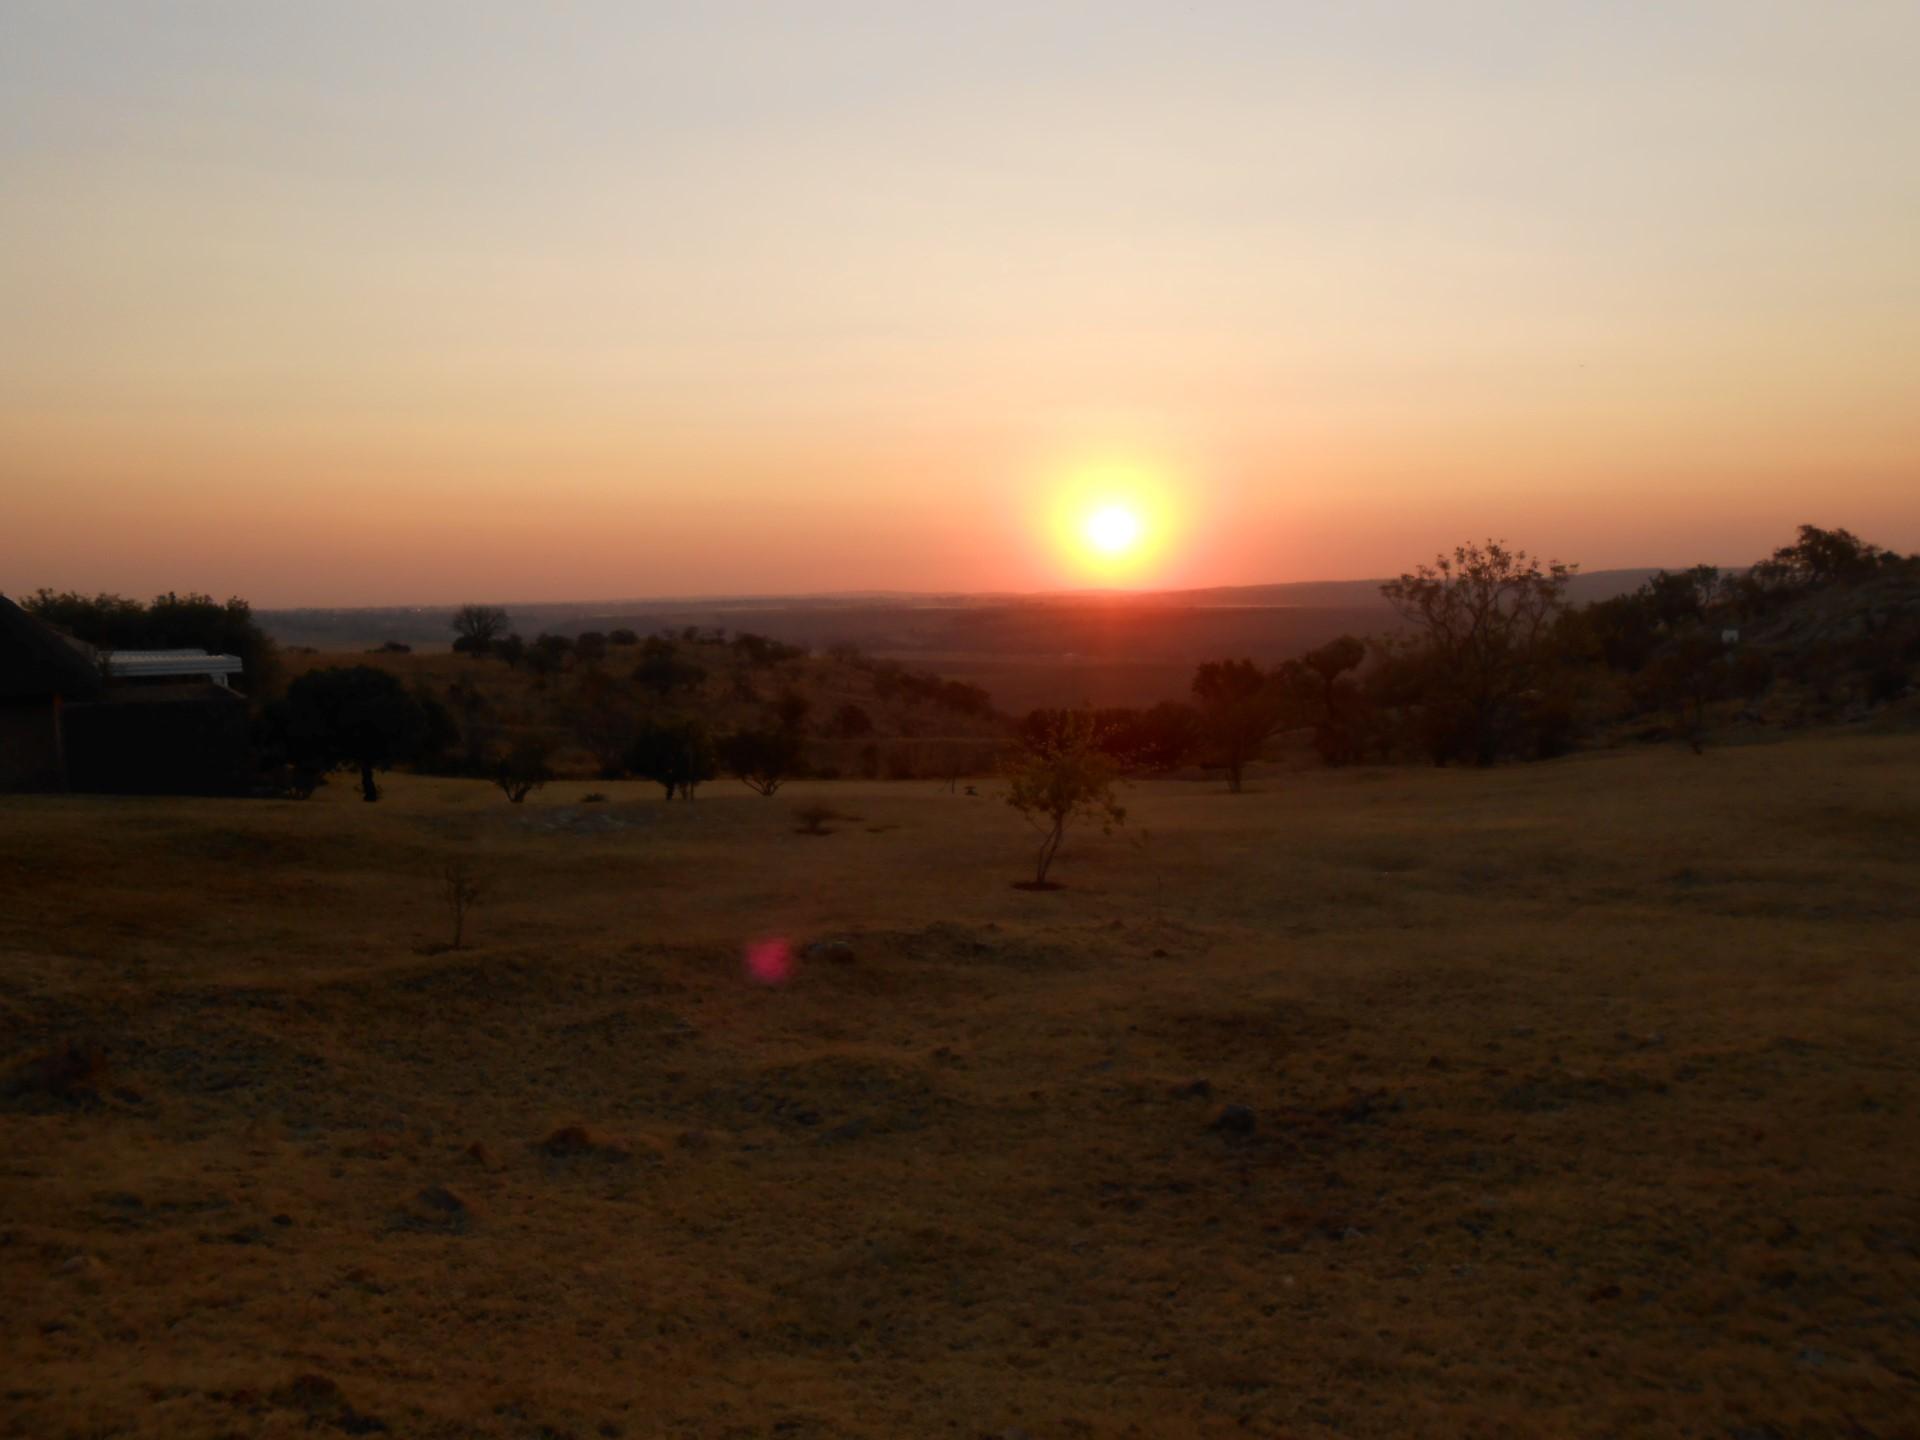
[37,661]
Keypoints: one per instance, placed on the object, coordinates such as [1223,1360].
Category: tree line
[1492,663]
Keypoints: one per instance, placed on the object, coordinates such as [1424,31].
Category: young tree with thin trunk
[1060,777]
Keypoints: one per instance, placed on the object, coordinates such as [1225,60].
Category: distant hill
[1098,647]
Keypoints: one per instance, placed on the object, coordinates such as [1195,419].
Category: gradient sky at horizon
[368,303]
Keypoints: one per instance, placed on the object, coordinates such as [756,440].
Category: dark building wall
[159,746]
[30,745]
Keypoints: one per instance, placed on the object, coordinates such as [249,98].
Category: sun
[1113,530]
[1111,522]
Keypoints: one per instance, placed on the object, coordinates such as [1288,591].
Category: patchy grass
[1574,1099]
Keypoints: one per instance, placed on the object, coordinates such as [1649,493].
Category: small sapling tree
[462,889]
[1058,777]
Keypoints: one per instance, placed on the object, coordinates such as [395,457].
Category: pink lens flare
[770,960]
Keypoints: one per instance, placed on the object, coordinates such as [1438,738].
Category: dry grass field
[1582,1101]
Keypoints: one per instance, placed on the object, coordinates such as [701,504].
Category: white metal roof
[144,664]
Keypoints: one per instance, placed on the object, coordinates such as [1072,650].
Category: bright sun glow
[1113,521]
[1113,529]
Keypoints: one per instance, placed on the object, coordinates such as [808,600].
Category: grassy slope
[1585,1098]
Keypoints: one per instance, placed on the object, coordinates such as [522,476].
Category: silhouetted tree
[524,768]
[590,645]
[1239,709]
[762,759]
[789,712]
[1687,675]
[438,746]
[476,627]
[1317,687]
[622,636]
[663,670]
[547,655]
[1621,630]
[604,721]
[356,717]
[851,722]
[675,754]
[761,651]
[1816,559]
[479,729]
[1481,623]
[168,622]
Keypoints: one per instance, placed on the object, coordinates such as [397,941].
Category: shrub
[763,760]
[523,769]
[73,1072]
[813,818]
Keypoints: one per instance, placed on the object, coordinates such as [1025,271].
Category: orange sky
[363,304]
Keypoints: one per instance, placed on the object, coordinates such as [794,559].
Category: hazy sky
[392,302]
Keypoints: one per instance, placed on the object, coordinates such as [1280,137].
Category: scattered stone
[1195,1090]
[576,1142]
[320,1399]
[283,1220]
[73,1072]
[695,1140]
[1234,1120]
[86,1271]
[569,1140]
[480,1154]
[436,1208]
[439,1197]
[833,952]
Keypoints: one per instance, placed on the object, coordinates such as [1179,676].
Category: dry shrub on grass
[815,818]
[577,1142]
[74,1072]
